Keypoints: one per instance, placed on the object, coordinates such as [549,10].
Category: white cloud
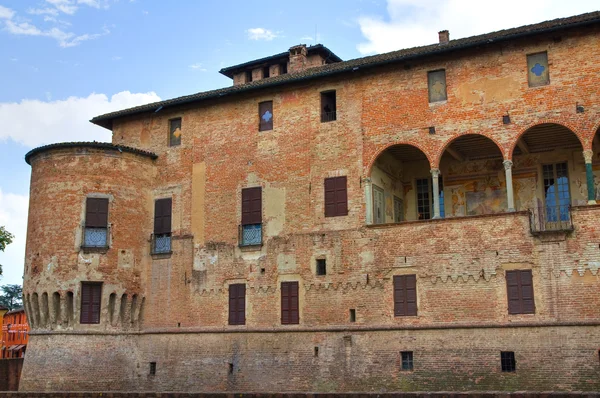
[43,11]
[36,122]
[416,22]
[64,39]
[13,215]
[260,34]
[198,66]
[116,58]
[6,13]
[66,6]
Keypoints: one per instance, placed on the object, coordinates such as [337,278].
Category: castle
[424,219]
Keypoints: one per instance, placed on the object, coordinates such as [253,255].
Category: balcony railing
[95,238]
[550,219]
[161,244]
[328,116]
[250,235]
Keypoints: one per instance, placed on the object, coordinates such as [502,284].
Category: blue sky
[65,61]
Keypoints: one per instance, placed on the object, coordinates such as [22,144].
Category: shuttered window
[519,287]
[252,206]
[91,294]
[265,115]
[237,304]
[405,295]
[336,197]
[289,303]
[96,223]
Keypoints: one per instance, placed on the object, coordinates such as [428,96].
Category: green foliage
[12,296]
[6,239]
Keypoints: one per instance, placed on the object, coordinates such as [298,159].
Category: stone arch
[385,147]
[456,137]
[542,122]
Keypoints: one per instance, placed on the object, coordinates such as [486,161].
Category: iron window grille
[250,235]
[328,106]
[161,243]
[550,218]
[507,361]
[95,238]
[407,360]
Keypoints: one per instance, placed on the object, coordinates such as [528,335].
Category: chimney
[298,58]
[444,36]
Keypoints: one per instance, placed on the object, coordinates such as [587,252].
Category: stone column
[368,201]
[509,185]
[435,174]
[589,174]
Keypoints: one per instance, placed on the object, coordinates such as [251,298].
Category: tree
[6,239]
[11,297]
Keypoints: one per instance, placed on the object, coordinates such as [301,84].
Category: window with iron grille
[237,304]
[436,82]
[423,199]
[556,192]
[405,295]
[538,73]
[251,227]
[175,132]
[265,116]
[336,197]
[96,223]
[507,361]
[519,287]
[161,239]
[91,295]
[152,368]
[321,268]
[328,106]
[407,360]
[290,314]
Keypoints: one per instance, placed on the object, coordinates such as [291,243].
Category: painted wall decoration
[457,204]
[525,192]
[486,196]
[389,205]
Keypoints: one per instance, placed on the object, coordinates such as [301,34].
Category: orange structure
[15,334]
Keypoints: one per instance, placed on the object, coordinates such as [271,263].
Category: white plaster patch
[286,262]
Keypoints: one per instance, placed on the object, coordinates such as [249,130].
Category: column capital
[588,155]
[366,180]
[435,173]
[508,164]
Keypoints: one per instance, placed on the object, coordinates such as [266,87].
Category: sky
[64,61]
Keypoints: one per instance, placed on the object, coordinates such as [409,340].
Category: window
[407,360]
[378,205]
[321,266]
[266,72]
[441,193]
[556,192]
[507,361]
[175,132]
[519,286]
[248,76]
[283,68]
[398,209]
[405,295]
[152,368]
[328,108]
[96,223]
[436,81]
[237,304]
[352,315]
[251,230]
[336,197]
[537,69]
[91,294]
[265,115]
[423,199]
[289,303]
[161,240]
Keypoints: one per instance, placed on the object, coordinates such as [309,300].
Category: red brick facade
[172,308]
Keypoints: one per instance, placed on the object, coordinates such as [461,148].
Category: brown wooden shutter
[251,206]
[290,313]
[162,216]
[405,295]
[526,281]
[96,213]
[237,304]
[91,295]
[519,289]
[336,197]
[265,115]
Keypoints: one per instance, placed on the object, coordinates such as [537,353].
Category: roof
[94,144]
[361,64]
[15,311]
[329,56]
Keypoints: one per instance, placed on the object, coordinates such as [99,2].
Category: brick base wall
[550,358]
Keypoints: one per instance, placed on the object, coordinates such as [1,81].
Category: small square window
[407,360]
[537,69]
[175,132]
[321,266]
[436,81]
[152,368]
[507,360]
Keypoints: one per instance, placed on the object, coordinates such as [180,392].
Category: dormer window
[248,76]
[283,68]
[266,72]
